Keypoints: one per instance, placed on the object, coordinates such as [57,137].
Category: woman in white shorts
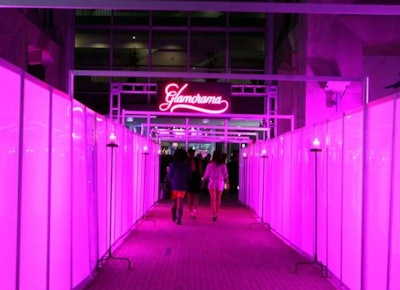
[217,176]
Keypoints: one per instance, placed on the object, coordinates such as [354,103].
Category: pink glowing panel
[80,241]
[287,176]
[137,159]
[127,179]
[250,172]
[295,206]
[303,197]
[60,216]
[111,178]
[243,175]
[306,188]
[258,182]
[378,187]
[154,177]
[144,167]
[394,278]
[334,195]
[274,188]
[102,189]
[9,156]
[118,194]
[35,187]
[321,133]
[352,199]
[157,180]
[91,184]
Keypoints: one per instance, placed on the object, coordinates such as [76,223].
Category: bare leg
[213,194]
[218,196]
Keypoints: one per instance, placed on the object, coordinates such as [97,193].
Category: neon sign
[176,97]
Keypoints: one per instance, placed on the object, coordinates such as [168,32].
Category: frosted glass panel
[334,195]
[295,209]
[352,199]
[394,278]
[118,179]
[60,217]
[273,186]
[91,184]
[306,190]
[102,189]
[35,187]
[9,152]
[378,164]
[127,179]
[320,131]
[80,227]
[286,145]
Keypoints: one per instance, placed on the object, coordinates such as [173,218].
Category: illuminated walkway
[200,255]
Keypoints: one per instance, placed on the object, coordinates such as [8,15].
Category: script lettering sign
[185,97]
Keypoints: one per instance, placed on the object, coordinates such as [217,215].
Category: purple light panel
[80,226]
[102,175]
[334,195]
[9,156]
[274,193]
[60,216]
[92,186]
[35,187]
[352,199]
[394,279]
[378,186]
[285,145]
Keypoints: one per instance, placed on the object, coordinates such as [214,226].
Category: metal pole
[315,258]
[109,255]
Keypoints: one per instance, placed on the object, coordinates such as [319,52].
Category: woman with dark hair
[217,175]
[195,164]
[179,177]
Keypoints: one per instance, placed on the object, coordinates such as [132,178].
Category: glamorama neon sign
[175,97]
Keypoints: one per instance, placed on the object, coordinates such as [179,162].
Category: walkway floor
[231,253]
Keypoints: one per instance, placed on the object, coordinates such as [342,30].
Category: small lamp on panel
[316,145]
[145,150]
[112,141]
[263,153]
[244,155]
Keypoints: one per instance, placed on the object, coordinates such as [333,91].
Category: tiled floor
[231,253]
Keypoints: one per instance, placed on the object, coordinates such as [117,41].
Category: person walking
[179,175]
[195,164]
[217,176]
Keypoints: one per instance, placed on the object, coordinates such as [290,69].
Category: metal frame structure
[200,133]
[269,93]
[228,137]
[227,6]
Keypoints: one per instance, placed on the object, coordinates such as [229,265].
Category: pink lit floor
[201,255]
